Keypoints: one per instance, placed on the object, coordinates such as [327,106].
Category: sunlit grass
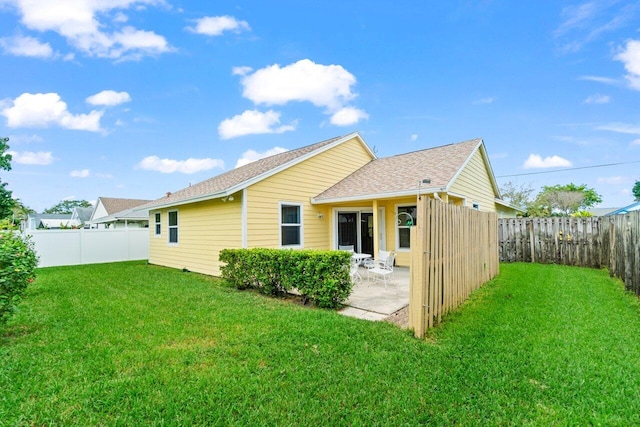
[134,344]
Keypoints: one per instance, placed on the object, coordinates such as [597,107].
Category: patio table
[358,258]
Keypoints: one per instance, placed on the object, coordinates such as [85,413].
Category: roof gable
[112,205]
[487,164]
[403,174]
[237,179]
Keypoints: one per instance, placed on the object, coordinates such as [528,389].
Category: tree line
[555,200]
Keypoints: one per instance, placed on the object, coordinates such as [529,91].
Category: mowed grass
[134,344]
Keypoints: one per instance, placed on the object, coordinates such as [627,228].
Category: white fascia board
[378,196]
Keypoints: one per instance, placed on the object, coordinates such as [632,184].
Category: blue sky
[132,99]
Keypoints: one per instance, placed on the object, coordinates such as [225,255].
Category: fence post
[418,280]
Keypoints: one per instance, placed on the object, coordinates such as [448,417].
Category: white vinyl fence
[73,247]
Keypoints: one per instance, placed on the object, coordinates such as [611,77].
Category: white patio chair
[354,273]
[383,269]
[381,259]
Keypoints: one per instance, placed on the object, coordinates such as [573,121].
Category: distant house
[625,210]
[37,221]
[601,211]
[112,212]
[81,215]
[335,192]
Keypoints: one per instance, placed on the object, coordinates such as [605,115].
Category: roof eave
[245,184]
[508,205]
[377,196]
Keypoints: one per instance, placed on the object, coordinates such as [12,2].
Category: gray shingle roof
[228,181]
[397,175]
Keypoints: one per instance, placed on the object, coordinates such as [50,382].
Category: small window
[290,225]
[173,227]
[158,226]
[476,206]
[407,216]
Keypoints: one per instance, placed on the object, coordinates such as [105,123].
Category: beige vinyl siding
[299,184]
[474,183]
[204,229]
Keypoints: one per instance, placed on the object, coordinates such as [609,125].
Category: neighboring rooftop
[114,205]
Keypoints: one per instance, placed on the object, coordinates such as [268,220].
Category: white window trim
[156,222]
[280,224]
[397,227]
[177,227]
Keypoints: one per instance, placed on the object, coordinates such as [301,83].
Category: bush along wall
[321,277]
[18,262]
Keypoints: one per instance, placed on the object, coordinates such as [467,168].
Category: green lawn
[133,344]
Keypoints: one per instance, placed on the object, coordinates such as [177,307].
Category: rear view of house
[335,192]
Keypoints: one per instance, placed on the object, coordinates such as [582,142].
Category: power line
[570,169]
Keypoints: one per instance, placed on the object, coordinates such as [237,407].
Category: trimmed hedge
[319,276]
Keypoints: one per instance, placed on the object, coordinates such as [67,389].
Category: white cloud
[26,46]
[26,139]
[88,26]
[241,71]
[597,99]
[189,166]
[109,98]
[252,122]
[347,116]
[587,21]
[635,142]
[216,25]
[84,173]
[40,158]
[327,86]
[534,161]
[613,180]
[414,137]
[482,101]
[44,109]
[630,56]
[620,128]
[251,155]
[605,80]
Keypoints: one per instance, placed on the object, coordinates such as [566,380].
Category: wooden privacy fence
[454,250]
[597,242]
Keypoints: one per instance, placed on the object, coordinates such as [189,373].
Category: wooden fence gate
[454,250]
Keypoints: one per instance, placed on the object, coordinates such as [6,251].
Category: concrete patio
[370,300]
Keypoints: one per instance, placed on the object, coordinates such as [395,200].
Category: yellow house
[335,192]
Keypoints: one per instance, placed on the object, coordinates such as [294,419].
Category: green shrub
[319,276]
[18,262]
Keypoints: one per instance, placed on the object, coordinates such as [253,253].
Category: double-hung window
[290,225]
[173,227]
[158,224]
[407,216]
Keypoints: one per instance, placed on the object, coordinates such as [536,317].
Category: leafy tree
[636,191]
[18,259]
[18,262]
[20,211]
[66,206]
[5,158]
[564,200]
[6,200]
[517,194]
